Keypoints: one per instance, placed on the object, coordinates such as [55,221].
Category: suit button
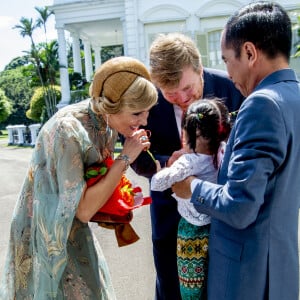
[201,199]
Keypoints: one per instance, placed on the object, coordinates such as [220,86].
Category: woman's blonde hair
[140,95]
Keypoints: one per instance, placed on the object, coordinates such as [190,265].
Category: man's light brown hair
[170,54]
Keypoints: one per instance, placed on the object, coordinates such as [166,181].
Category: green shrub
[38,105]
[5,107]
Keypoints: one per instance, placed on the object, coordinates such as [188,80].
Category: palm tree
[49,70]
[43,56]
[49,59]
[26,27]
[44,13]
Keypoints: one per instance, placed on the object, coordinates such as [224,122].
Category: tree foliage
[37,103]
[39,67]
[108,52]
[17,62]
[43,56]
[18,89]
[5,106]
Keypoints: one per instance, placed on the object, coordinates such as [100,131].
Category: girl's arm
[166,177]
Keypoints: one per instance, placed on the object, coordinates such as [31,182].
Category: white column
[64,76]
[88,61]
[34,128]
[124,29]
[97,57]
[192,23]
[21,131]
[130,29]
[143,53]
[10,129]
[76,53]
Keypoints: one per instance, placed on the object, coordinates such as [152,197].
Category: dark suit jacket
[165,140]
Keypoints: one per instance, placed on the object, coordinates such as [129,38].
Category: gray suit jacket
[253,246]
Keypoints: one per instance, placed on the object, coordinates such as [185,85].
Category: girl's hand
[158,166]
[175,155]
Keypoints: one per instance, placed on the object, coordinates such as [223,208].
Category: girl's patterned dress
[193,229]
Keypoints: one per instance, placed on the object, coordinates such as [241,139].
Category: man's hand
[183,188]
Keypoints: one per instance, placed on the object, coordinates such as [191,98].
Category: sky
[12,43]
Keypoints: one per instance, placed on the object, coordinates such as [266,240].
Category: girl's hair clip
[200,116]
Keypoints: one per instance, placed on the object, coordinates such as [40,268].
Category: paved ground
[131,267]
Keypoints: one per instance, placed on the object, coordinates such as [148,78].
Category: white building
[134,24]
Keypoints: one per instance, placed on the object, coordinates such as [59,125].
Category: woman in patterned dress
[206,125]
[52,252]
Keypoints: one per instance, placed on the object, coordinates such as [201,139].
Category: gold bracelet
[126,159]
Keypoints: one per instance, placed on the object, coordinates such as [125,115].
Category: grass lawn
[3,135]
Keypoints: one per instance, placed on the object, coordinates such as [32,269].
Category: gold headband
[115,76]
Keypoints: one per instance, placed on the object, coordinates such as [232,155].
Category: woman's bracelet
[126,159]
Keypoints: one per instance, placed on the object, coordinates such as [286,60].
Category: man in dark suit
[176,70]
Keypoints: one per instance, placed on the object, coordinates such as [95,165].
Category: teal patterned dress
[51,254]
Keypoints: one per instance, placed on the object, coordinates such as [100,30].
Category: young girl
[205,127]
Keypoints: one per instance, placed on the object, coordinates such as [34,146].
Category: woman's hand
[135,144]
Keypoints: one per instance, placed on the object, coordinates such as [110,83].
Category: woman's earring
[108,129]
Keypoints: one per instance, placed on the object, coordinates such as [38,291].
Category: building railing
[22,135]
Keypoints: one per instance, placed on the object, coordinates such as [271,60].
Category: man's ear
[249,54]
[200,71]
[250,51]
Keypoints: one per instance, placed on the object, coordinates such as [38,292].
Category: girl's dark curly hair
[210,119]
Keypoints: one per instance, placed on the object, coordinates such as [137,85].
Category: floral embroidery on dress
[47,241]
[23,267]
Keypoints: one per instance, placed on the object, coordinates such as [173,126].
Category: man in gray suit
[253,246]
